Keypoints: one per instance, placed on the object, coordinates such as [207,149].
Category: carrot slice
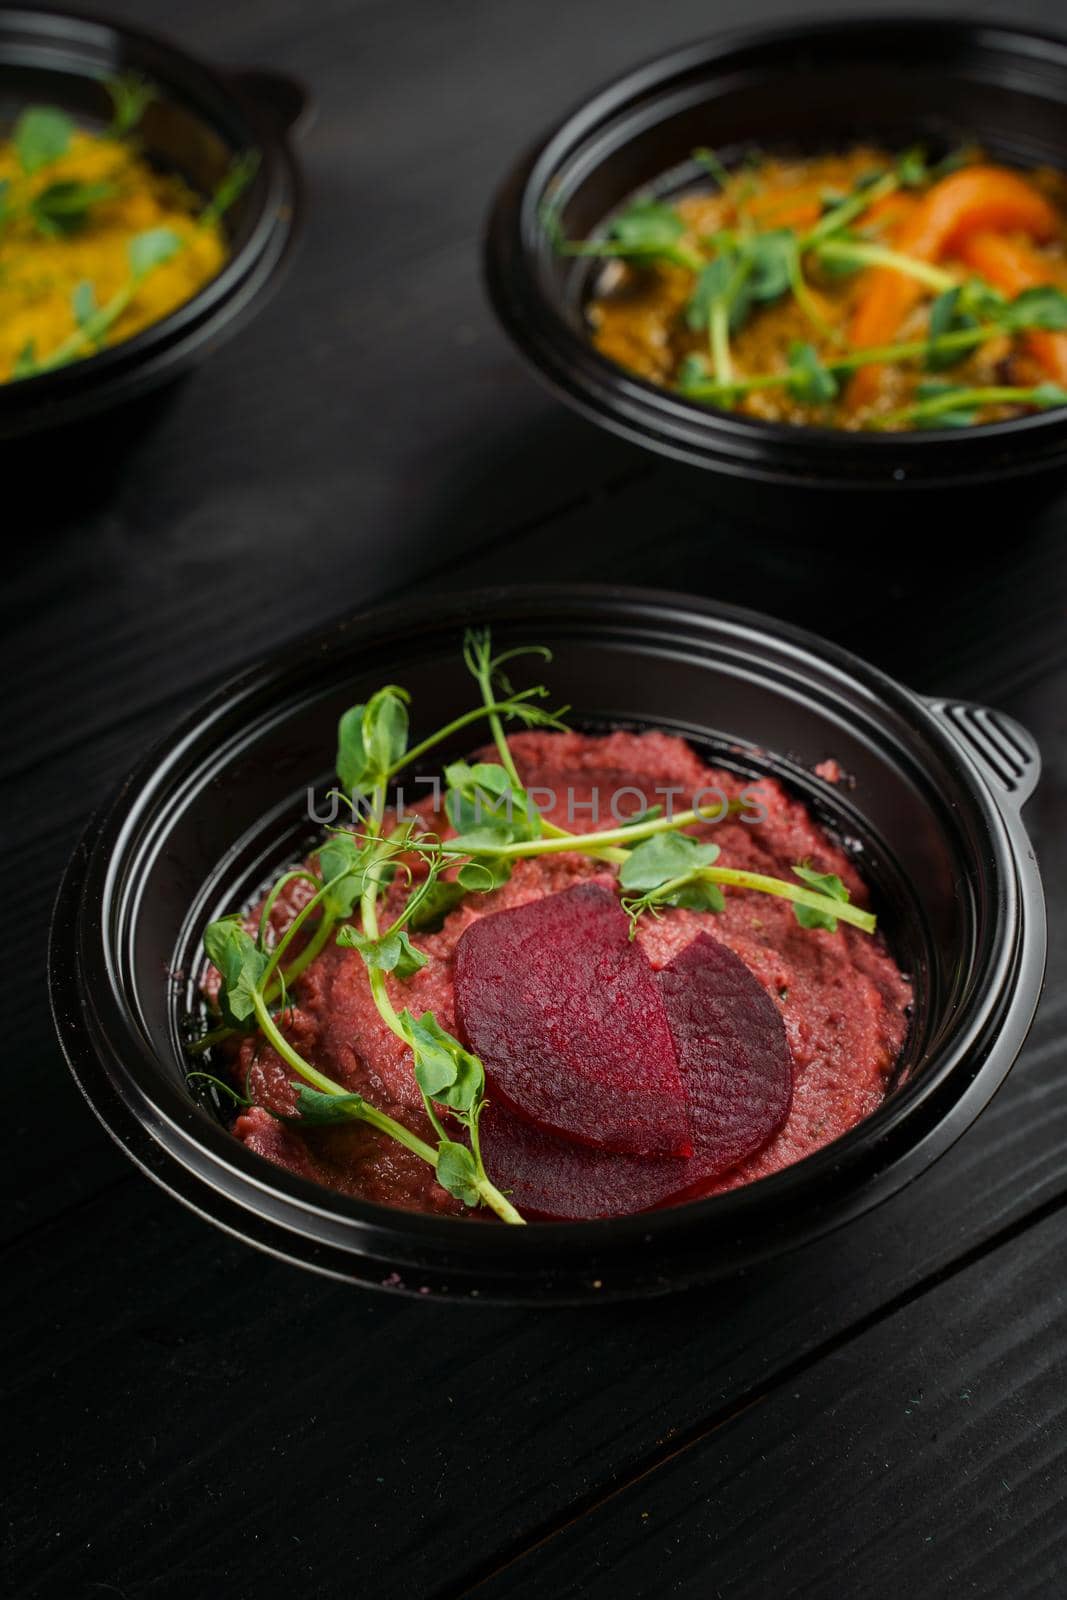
[1012,265]
[969,201]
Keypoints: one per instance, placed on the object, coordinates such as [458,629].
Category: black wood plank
[926,1456]
[186,1358]
[373,423]
[190,1419]
[261,1427]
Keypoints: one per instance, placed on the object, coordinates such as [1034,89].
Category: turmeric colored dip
[856,290]
[95,244]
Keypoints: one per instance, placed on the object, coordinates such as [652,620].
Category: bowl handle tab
[1007,754]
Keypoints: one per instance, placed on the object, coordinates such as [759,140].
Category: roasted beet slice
[732,1051]
[738,1075]
[568,1018]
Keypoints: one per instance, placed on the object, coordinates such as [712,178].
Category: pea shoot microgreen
[130,95]
[1044,309]
[63,208]
[669,870]
[496,823]
[709,160]
[827,884]
[746,270]
[948,405]
[41,135]
[146,252]
[391,952]
[647,231]
[739,268]
[238,177]
[810,380]
[44,135]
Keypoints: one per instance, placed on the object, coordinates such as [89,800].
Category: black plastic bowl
[934,812]
[201,121]
[806,88]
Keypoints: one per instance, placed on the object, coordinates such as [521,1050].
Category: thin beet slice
[568,1019]
[738,1075]
[732,1051]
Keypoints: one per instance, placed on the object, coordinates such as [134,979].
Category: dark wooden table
[881,1414]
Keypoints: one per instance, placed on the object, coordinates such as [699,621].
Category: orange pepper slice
[975,199]
[1012,265]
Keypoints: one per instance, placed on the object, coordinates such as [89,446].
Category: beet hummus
[841,998]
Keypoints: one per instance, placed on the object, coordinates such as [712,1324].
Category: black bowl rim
[578,373]
[892,1144]
[274,227]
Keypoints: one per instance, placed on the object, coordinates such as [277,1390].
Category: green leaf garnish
[385,728]
[25,364]
[239,176]
[444,1070]
[433,905]
[41,135]
[647,227]
[1047,396]
[709,289]
[83,303]
[151,249]
[457,1172]
[63,208]
[745,271]
[825,883]
[241,965]
[645,231]
[489,839]
[482,877]
[693,373]
[668,870]
[372,739]
[710,162]
[485,796]
[322,1110]
[131,95]
[912,168]
[1044,308]
[946,316]
[932,395]
[344,859]
[810,381]
[389,952]
[771,272]
[664,856]
[949,405]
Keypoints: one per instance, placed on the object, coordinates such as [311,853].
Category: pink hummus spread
[842,998]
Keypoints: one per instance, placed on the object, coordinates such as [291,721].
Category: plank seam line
[59,1218]
[688,1439]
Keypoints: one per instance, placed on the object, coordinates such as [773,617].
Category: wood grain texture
[478,1433]
[189,1419]
[925,1455]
